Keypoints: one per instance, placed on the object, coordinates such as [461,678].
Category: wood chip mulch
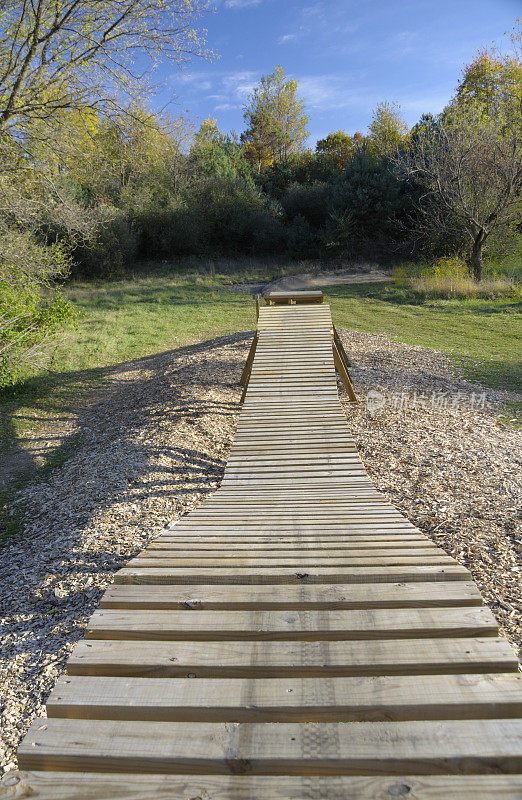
[157,444]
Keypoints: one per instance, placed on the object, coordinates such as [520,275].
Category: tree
[493,80]
[387,129]
[277,122]
[470,165]
[339,147]
[208,134]
[73,54]
[33,312]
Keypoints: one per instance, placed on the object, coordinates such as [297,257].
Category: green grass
[482,337]
[148,314]
[156,311]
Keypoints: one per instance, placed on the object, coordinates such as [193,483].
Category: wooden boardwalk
[294,638]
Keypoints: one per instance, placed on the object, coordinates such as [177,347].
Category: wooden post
[342,351]
[247,369]
[343,372]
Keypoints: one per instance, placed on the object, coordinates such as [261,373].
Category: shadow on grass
[77,400]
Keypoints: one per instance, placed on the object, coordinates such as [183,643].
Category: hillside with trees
[91,180]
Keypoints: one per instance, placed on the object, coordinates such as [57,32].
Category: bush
[370,195]
[466,288]
[449,268]
[310,201]
[299,236]
[109,247]
[169,232]
[448,278]
[33,311]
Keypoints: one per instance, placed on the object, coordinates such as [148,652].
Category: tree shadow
[51,401]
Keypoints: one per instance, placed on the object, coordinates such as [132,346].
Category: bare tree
[73,54]
[470,165]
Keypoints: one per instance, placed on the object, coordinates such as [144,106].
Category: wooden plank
[360,748]
[291,625]
[164,547]
[172,575]
[308,296]
[130,786]
[335,596]
[244,659]
[300,562]
[205,541]
[360,699]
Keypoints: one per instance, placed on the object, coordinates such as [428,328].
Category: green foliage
[309,200]
[109,247]
[387,130]
[450,267]
[276,120]
[370,196]
[339,147]
[448,277]
[33,312]
[493,80]
[299,236]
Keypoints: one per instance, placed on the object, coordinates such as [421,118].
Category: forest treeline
[89,185]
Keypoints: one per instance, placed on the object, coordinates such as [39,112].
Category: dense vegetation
[89,185]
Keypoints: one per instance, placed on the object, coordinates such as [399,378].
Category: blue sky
[346,54]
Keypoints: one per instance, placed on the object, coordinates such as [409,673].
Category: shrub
[109,247]
[169,232]
[449,268]
[33,311]
[310,201]
[299,236]
[449,278]
[465,288]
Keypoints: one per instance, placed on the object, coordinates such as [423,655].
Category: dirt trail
[307,280]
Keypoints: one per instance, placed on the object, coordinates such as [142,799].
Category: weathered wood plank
[291,625]
[281,659]
[336,596]
[290,699]
[379,574]
[360,748]
[130,786]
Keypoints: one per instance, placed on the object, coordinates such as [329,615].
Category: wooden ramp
[295,637]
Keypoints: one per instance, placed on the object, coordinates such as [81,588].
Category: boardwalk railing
[294,637]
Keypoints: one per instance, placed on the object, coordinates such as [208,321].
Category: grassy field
[482,337]
[152,312]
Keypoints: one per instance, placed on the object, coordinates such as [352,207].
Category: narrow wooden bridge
[294,638]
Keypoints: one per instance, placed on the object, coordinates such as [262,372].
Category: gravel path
[157,444]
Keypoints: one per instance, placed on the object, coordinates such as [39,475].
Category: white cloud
[288,37]
[196,81]
[325,92]
[239,84]
[241,3]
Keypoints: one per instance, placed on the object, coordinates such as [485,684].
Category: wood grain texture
[292,659]
[300,699]
[327,596]
[348,748]
[291,625]
[130,786]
